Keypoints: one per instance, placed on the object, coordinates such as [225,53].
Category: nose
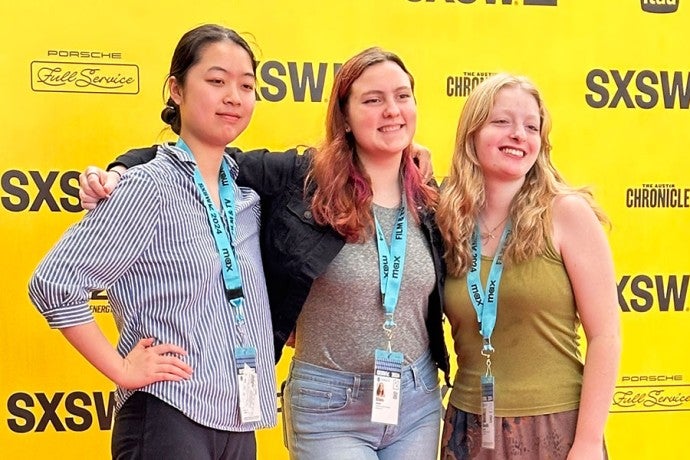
[391,109]
[519,132]
[232,95]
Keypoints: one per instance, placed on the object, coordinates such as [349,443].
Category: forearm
[269,173]
[118,168]
[598,385]
[95,347]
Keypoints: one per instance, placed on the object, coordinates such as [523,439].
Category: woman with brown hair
[353,265]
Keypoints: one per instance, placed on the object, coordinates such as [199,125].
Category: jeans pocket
[309,396]
[430,381]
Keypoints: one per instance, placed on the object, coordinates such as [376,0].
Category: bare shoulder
[571,207]
[573,218]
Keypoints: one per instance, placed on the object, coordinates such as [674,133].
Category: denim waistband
[411,373]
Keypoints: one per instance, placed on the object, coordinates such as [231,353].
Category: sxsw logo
[299,82]
[31,190]
[643,292]
[638,88]
[74,411]
[659,6]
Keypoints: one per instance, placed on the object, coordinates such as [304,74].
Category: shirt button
[307,214]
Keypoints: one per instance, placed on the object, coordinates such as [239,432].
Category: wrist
[119,170]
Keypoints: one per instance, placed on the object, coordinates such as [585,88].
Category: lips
[390,128]
[231,116]
[513,152]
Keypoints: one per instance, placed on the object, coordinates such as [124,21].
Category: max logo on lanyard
[388,363]
[245,354]
[485,302]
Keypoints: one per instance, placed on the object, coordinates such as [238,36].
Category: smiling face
[381,111]
[217,98]
[509,141]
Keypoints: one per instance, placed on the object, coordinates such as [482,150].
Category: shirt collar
[182,153]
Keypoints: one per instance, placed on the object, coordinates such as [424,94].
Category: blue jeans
[328,415]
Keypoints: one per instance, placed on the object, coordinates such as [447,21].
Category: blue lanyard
[485,301]
[392,262]
[232,278]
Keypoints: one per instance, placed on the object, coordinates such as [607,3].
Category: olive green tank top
[537,363]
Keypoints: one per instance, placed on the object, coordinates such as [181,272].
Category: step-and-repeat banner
[82,81]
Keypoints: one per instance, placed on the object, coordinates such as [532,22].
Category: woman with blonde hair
[528,263]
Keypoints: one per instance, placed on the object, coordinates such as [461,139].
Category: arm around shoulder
[268,173]
[134,157]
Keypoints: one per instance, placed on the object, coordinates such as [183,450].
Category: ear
[175,90]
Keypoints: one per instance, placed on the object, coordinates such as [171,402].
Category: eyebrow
[499,111]
[378,91]
[224,70]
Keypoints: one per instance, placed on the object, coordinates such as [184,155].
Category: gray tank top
[341,323]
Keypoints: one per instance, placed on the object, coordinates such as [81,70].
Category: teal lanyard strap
[232,278]
[391,263]
[485,300]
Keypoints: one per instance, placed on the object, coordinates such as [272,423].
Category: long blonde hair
[463,195]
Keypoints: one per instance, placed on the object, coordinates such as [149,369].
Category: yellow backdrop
[82,81]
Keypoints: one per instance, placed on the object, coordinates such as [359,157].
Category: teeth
[390,128]
[514,152]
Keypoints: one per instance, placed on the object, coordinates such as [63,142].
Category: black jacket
[295,249]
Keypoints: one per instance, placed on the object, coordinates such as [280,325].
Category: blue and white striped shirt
[150,245]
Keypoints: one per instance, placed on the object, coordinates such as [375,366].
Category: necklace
[489,235]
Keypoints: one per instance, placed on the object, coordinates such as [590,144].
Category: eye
[248,86]
[216,81]
[404,95]
[372,100]
[533,128]
[500,121]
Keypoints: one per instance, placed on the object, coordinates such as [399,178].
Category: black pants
[146,428]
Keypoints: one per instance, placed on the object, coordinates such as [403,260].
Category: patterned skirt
[517,438]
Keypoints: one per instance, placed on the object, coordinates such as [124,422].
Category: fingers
[111,180]
[93,186]
[87,202]
[173,366]
[428,175]
[290,342]
[92,181]
[426,171]
[145,342]
[422,157]
[148,363]
[167,352]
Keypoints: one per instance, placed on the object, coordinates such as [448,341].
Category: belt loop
[356,383]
